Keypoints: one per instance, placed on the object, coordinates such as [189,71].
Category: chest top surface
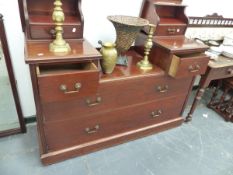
[178,44]
[38,52]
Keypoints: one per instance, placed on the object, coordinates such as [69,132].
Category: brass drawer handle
[64,89]
[90,104]
[171,31]
[157,113]
[162,89]
[92,130]
[230,71]
[195,68]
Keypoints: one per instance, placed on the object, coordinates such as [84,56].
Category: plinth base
[145,65]
[59,48]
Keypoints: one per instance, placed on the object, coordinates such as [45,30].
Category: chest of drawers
[80,110]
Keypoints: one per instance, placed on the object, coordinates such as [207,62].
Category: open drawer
[187,65]
[67,81]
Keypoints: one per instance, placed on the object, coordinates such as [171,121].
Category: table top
[220,62]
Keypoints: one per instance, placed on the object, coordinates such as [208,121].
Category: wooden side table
[217,69]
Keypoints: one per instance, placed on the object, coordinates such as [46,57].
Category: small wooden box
[37,23]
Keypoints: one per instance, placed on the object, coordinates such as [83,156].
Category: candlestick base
[65,48]
[145,65]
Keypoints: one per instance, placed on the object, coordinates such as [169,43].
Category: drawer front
[170,30]
[221,72]
[86,129]
[117,94]
[188,66]
[67,86]
[48,31]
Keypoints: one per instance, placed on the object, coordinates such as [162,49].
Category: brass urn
[109,53]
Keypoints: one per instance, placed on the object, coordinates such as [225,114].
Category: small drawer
[170,30]
[68,81]
[48,31]
[115,95]
[188,65]
[78,131]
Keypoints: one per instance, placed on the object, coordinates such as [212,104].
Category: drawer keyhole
[64,88]
[157,113]
[162,89]
[92,130]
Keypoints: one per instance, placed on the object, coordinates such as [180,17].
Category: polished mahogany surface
[132,70]
[174,2]
[180,43]
[38,52]
[44,20]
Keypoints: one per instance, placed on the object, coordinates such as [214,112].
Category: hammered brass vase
[127,28]
[109,53]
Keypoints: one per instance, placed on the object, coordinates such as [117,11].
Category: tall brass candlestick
[59,45]
[145,64]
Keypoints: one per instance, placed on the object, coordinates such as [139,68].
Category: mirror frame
[5,49]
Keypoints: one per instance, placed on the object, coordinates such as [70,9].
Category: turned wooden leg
[198,97]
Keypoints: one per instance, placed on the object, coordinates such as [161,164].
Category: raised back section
[36,17]
[45,7]
[168,16]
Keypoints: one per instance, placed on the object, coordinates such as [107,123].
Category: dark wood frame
[213,20]
[22,128]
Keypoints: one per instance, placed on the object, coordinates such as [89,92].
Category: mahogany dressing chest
[80,109]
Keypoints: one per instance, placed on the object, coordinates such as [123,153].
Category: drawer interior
[65,68]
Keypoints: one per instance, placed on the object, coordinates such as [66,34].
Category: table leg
[198,97]
[204,82]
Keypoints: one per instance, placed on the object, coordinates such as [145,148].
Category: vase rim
[128,20]
[109,44]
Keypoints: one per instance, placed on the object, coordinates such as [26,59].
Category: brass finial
[59,45]
[145,64]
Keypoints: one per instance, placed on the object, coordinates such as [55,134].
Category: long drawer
[114,95]
[86,129]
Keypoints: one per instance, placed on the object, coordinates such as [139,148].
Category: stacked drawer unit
[102,110]
[79,109]
[37,23]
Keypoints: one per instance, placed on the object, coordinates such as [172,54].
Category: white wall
[97,27]
[208,7]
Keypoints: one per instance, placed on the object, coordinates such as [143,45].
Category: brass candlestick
[59,45]
[145,64]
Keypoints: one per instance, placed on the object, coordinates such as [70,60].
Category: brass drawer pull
[195,68]
[162,89]
[92,130]
[157,113]
[90,104]
[64,89]
[171,31]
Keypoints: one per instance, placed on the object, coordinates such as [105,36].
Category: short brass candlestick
[59,45]
[145,64]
